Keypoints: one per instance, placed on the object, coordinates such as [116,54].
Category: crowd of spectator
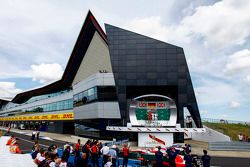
[180,156]
[88,154]
[243,138]
[93,152]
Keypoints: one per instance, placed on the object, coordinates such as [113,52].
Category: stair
[232,145]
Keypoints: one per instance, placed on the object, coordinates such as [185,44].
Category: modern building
[104,73]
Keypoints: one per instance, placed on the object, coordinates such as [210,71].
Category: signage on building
[155,139]
[61,116]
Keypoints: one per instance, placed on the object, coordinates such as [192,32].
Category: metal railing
[224,121]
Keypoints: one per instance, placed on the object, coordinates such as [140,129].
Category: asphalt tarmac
[230,161]
[26,145]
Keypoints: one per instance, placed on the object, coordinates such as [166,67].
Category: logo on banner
[61,116]
[156,139]
[161,105]
[142,104]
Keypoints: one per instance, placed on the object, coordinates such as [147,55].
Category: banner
[152,139]
[43,117]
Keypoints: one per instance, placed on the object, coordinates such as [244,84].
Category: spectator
[117,154]
[55,162]
[55,150]
[64,162]
[240,136]
[48,160]
[188,160]
[85,149]
[159,157]
[94,154]
[113,155]
[33,135]
[37,135]
[8,129]
[205,159]
[35,150]
[77,150]
[109,163]
[40,157]
[51,147]
[65,145]
[187,148]
[66,153]
[105,152]
[244,137]
[83,161]
[35,145]
[125,155]
[172,155]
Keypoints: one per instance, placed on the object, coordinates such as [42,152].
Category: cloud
[212,92]
[238,62]
[153,26]
[43,73]
[247,79]
[234,104]
[222,24]
[8,89]
[46,73]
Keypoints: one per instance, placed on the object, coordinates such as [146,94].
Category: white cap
[114,146]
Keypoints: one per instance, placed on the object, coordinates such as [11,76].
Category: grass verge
[231,130]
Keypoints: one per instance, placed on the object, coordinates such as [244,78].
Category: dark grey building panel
[143,65]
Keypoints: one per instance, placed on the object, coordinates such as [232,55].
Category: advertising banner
[60,116]
[155,139]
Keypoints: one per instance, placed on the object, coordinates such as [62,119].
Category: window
[99,93]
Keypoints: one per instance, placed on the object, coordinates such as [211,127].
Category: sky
[37,38]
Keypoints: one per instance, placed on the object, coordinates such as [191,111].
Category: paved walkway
[197,146]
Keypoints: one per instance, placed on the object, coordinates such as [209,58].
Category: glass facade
[37,98]
[56,106]
[97,93]
[41,97]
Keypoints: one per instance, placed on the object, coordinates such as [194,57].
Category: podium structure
[154,117]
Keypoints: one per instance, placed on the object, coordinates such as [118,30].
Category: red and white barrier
[152,129]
